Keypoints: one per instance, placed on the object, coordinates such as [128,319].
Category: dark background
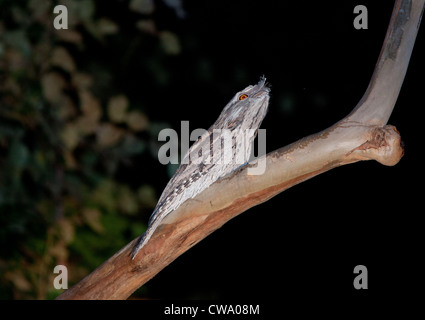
[306,240]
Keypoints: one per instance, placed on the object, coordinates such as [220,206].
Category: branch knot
[384,145]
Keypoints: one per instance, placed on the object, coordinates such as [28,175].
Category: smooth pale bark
[362,135]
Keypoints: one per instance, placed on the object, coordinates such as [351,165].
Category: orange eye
[243,97]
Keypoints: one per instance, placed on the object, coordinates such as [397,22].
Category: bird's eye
[243,97]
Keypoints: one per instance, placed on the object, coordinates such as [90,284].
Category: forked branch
[362,135]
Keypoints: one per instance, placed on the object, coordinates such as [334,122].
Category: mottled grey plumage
[241,119]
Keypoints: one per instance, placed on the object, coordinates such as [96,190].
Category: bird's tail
[140,243]
[144,238]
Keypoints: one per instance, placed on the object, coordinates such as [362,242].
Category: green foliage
[68,129]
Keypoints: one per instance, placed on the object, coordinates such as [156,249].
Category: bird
[225,147]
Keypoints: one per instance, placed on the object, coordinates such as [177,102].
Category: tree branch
[362,135]
[381,95]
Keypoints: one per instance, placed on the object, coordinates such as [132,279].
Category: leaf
[61,58]
[170,42]
[142,6]
[19,280]
[70,136]
[86,9]
[52,84]
[105,195]
[86,125]
[40,10]
[92,218]
[66,229]
[127,201]
[68,35]
[147,26]
[79,11]
[70,161]
[108,135]
[90,105]
[177,6]
[66,109]
[106,26]
[18,155]
[137,121]
[117,107]
[59,250]
[82,81]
